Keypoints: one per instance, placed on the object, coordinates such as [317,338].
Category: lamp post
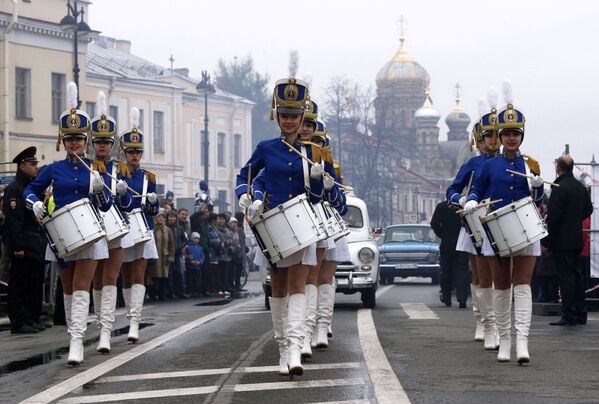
[73,24]
[205,88]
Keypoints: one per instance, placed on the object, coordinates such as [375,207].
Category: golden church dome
[402,69]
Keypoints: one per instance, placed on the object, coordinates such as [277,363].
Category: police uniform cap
[26,155]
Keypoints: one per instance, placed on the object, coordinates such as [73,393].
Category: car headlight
[433,256]
[382,257]
[366,255]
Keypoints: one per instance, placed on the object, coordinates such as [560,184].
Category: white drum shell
[336,222]
[515,226]
[74,227]
[475,225]
[114,223]
[139,230]
[288,228]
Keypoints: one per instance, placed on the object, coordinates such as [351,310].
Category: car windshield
[353,217]
[410,233]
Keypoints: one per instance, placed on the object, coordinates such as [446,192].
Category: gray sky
[547,48]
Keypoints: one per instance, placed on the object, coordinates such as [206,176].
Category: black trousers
[454,272]
[571,284]
[194,282]
[25,288]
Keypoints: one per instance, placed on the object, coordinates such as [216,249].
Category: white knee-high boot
[138,293]
[479,333]
[502,306]
[311,293]
[107,317]
[324,314]
[68,301]
[485,304]
[79,314]
[97,299]
[127,299]
[295,328]
[278,313]
[330,331]
[522,318]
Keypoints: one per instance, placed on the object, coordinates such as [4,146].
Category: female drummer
[135,257]
[103,130]
[498,184]
[72,182]
[284,178]
[337,250]
[486,141]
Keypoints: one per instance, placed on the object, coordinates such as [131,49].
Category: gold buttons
[290,150]
[290,163]
[76,168]
[290,179]
[76,191]
[512,163]
[290,196]
[511,187]
[511,175]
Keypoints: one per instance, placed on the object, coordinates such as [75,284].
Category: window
[141,120]
[90,109]
[113,111]
[354,217]
[159,131]
[237,151]
[58,96]
[23,93]
[221,150]
[222,201]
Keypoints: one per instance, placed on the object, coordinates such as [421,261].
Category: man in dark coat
[569,205]
[25,248]
[446,224]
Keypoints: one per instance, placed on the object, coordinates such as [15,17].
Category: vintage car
[361,274]
[409,250]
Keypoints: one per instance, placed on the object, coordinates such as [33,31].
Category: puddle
[60,353]
[215,303]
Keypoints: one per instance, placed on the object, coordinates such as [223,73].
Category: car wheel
[369,298]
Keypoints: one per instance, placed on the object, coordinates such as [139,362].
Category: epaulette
[151,176]
[99,166]
[316,150]
[327,154]
[338,173]
[533,164]
[123,169]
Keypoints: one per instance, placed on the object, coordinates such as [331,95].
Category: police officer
[25,248]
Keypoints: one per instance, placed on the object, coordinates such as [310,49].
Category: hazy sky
[547,48]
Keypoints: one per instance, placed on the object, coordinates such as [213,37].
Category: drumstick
[91,171]
[553,184]
[141,196]
[249,194]
[293,149]
[482,204]
[469,184]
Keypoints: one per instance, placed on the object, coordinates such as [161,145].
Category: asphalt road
[410,348]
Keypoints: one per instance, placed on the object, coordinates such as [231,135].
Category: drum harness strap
[306,169]
[144,189]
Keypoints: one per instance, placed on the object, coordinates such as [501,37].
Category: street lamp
[205,88]
[70,25]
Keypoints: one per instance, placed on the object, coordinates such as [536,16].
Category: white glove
[536,181]
[97,182]
[470,206]
[245,201]
[152,198]
[39,210]
[462,201]
[317,171]
[121,188]
[255,209]
[329,182]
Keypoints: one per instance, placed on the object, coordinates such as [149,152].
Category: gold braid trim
[151,176]
[123,169]
[99,166]
[533,163]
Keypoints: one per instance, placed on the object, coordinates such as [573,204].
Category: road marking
[221,371]
[238,388]
[384,290]
[235,313]
[343,402]
[418,311]
[87,376]
[387,387]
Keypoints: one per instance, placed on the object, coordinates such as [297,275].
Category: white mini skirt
[123,242]
[97,251]
[533,250]
[465,243]
[145,250]
[305,256]
[340,253]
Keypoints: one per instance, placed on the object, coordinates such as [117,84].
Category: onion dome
[426,115]
[457,121]
[402,69]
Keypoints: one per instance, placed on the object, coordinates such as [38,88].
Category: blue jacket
[214,246]
[136,182]
[194,252]
[283,174]
[496,183]
[454,192]
[70,183]
[120,171]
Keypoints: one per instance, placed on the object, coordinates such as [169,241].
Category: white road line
[87,376]
[343,402]
[238,388]
[384,290]
[387,387]
[235,313]
[221,371]
[418,311]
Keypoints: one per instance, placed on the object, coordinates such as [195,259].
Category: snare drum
[73,227]
[474,227]
[514,227]
[335,222]
[139,231]
[287,228]
[114,223]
